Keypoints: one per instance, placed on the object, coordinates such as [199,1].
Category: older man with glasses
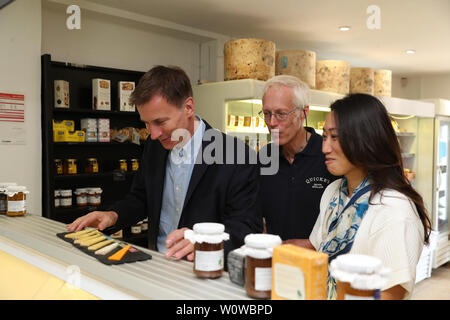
[289,200]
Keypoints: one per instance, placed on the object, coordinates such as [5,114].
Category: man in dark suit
[189,173]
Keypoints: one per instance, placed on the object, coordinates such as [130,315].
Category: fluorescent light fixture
[344,28]
[410,51]
[253,101]
[319,108]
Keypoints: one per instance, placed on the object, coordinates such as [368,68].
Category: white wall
[428,86]
[113,42]
[20,71]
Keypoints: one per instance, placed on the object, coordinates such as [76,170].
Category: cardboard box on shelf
[101,94]
[126,88]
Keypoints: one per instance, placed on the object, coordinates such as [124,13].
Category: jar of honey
[208,239]
[258,264]
[59,170]
[358,277]
[91,166]
[123,164]
[70,166]
[82,196]
[16,200]
[134,164]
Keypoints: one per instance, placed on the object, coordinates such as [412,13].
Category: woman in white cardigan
[373,209]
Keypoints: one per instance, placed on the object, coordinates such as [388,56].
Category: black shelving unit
[115,183]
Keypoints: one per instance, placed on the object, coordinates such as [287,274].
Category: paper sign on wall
[12,118]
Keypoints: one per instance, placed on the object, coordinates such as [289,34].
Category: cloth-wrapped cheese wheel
[362,80]
[249,59]
[298,63]
[333,76]
[383,83]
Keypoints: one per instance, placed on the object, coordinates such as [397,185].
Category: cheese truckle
[298,273]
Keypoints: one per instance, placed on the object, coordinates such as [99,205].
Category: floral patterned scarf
[343,223]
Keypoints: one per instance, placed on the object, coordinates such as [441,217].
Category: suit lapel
[158,172]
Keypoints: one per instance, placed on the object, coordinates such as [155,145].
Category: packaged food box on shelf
[126,88]
[101,94]
[61,94]
[64,135]
[68,125]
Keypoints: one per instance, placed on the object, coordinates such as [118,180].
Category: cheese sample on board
[298,273]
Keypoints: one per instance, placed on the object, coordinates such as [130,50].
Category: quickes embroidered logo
[316,181]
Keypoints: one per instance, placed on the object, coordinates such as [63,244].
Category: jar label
[263,279]
[16,206]
[209,260]
[57,202]
[66,202]
[289,282]
[82,199]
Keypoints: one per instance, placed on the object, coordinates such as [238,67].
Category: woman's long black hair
[368,140]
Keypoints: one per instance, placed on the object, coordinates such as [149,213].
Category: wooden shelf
[97,144]
[247,130]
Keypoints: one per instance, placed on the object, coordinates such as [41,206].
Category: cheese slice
[87,237]
[90,242]
[107,249]
[79,233]
[99,245]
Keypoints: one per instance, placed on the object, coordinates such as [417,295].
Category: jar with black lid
[208,239]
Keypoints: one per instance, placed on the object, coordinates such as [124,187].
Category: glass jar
[70,166]
[258,264]
[16,201]
[91,166]
[123,165]
[208,241]
[94,196]
[136,229]
[59,170]
[134,164]
[57,198]
[82,196]
[3,196]
[66,198]
[358,277]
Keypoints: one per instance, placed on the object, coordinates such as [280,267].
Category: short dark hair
[172,83]
[368,140]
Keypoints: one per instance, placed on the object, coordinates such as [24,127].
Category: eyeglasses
[280,116]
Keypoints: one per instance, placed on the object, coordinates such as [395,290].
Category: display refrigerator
[441,177]
[233,106]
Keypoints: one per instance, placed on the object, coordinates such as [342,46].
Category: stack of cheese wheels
[249,59]
[383,83]
[362,80]
[333,76]
[298,63]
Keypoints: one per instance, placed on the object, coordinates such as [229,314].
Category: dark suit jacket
[224,193]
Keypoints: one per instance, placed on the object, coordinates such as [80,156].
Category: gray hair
[300,89]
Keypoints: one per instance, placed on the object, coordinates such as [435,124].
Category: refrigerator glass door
[442,176]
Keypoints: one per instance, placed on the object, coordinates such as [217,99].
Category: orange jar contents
[258,264]
[208,239]
[59,170]
[91,166]
[134,164]
[70,166]
[123,164]
[16,201]
[358,277]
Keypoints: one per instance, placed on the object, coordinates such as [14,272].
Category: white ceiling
[422,25]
